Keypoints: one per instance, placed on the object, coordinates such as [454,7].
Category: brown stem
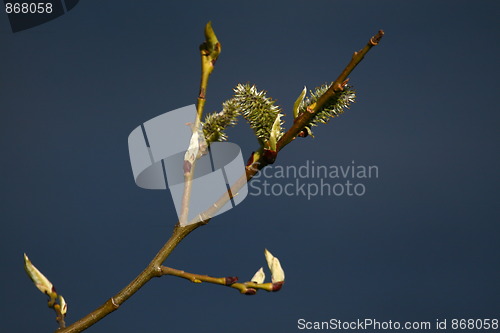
[209,52]
[59,316]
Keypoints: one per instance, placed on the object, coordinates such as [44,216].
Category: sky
[421,243]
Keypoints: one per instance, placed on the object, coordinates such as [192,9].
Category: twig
[59,316]
[337,86]
[209,52]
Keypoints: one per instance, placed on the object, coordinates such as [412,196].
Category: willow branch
[259,160]
[151,271]
[337,86]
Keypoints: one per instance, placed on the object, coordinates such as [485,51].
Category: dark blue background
[421,244]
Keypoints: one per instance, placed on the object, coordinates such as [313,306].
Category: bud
[63,304]
[277,273]
[211,45]
[192,152]
[275,132]
[41,282]
[250,291]
[259,277]
[305,132]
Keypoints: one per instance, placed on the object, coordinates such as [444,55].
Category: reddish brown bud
[269,156]
[303,133]
[187,166]
[250,159]
[277,285]
[230,280]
